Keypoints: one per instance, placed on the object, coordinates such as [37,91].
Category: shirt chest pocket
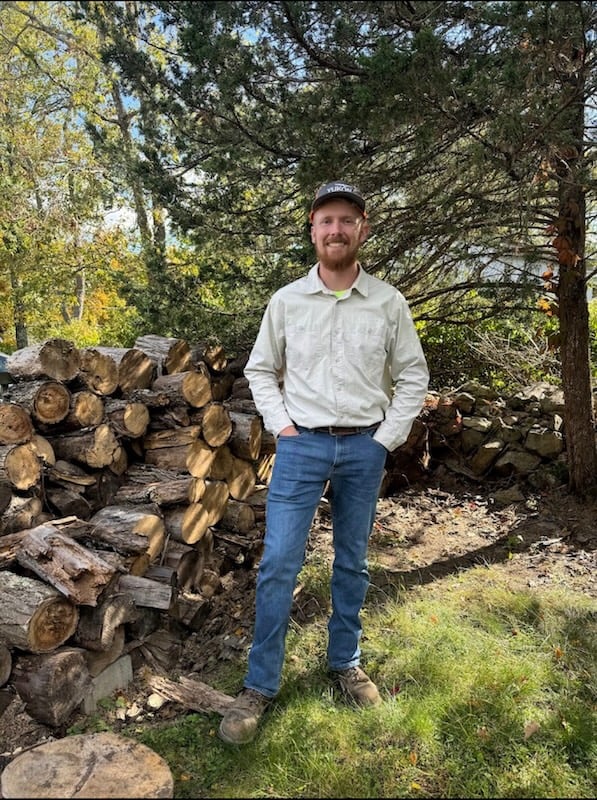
[364,345]
[304,346]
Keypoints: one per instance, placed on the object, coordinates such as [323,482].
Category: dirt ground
[439,528]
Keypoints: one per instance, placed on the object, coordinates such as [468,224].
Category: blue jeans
[354,466]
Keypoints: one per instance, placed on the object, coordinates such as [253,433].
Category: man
[338,374]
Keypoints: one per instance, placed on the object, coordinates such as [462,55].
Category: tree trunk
[573,309]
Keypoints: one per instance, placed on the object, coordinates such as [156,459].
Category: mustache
[336,240]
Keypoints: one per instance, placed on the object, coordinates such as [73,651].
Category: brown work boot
[358,685]
[239,723]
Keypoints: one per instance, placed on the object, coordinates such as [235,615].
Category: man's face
[337,231]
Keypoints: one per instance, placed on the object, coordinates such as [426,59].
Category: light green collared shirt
[350,361]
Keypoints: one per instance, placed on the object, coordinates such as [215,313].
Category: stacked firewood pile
[131,480]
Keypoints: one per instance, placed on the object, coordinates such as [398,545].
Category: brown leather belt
[335,431]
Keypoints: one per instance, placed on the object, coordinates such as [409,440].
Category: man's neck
[338,280]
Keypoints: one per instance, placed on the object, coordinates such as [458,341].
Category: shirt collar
[315,284]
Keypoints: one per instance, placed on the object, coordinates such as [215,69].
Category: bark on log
[146,592]
[191,693]
[91,765]
[66,502]
[86,410]
[20,465]
[33,615]
[16,426]
[52,685]
[169,492]
[57,359]
[239,517]
[20,513]
[216,424]
[135,369]
[125,521]
[98,371]
[245,441]
[126,418]
[46,401]
[213,355]
[169,354]
[188,561]
[171,438]
[193,388]
[63,563]
[97,626]
[5,665]
[96,448]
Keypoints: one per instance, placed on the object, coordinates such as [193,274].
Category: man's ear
[365,231]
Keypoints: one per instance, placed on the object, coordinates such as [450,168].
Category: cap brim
[351,198]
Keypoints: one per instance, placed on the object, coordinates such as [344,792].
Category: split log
[146,592]
[212,354]
[20,465]
[97,626]
[193,388]
[187,524]
[5,664]
[161,650]
[56,359]
[171,355]
[171,438]
[91,765]
[172,417]
[125,521]
[33,615]
[216,424]
[86,411]
[21,513]
[98,371]
[66,502]
[191,693]
[126,418]
[98,660]
[47,402]
[200,457]
[135,369]
[237,516]
[168,492]
[188,561]
[63,563]
[95,448]
[70,476]
[245,441]
[16,426]
[43,449]
[241,479]
[264,468]
[52,685]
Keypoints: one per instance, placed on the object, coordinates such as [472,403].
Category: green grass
[487,693]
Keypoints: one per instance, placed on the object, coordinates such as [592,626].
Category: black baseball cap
[343,191]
